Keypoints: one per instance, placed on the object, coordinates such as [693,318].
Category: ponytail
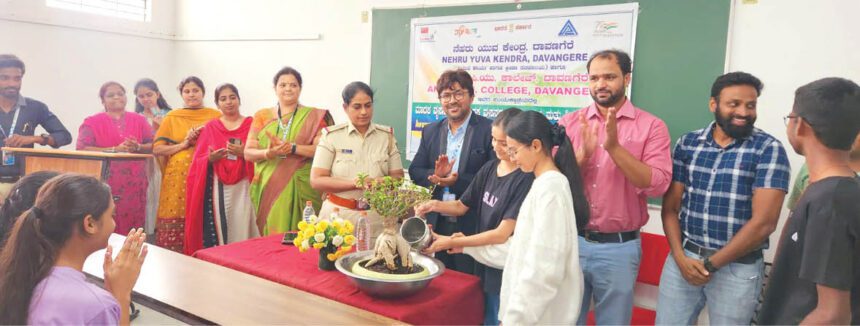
[531,125]
[565,160]
[26,259]
[34,243]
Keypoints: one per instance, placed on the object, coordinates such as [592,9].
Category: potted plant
[392,198]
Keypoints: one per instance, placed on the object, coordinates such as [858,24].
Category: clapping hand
[129,145]
[277,147]
[611,140]
[121,273]
[588,134]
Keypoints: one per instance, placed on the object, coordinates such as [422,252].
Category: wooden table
[197,292]
[95,164]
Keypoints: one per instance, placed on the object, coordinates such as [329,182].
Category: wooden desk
[197,292]
[96,164]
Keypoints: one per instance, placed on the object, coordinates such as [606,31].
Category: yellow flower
[304,246]
[299,238]
[302,225]
[336,224]
[319,245]
[331,257]
[346,248]
[349,240]
[322,226]
[348,224]
[308,233]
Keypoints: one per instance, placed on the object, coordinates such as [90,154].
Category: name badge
[8,158]
[346,151]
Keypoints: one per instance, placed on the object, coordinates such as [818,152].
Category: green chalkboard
[680,50]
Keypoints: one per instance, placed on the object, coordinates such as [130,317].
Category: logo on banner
[568,29]
[606,29]
[463,30]
[425,35]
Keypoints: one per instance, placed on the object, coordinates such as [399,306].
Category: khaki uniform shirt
[346,153]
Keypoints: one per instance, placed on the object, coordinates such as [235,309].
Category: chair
[655,249]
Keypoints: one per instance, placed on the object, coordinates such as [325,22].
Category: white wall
[786,43]
[69,54]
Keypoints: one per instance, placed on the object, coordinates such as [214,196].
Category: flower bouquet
[333,239]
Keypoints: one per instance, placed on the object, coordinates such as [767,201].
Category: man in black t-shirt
[816,273]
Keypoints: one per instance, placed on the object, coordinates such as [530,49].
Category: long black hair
[39,234]
[21,198]
[149,83]
[531,125]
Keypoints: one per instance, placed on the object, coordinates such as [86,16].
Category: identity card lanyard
[12,128]
[8,158]
[286,127]
[289,122]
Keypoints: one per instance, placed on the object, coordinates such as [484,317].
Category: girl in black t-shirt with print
[496,193]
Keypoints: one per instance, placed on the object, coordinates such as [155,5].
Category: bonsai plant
[392,198]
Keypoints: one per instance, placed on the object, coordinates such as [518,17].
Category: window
[139,10]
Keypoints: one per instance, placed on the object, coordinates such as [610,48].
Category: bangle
[293,149]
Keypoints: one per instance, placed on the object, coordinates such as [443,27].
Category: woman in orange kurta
[174,144]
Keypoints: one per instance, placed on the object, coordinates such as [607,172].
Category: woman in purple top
[41,278]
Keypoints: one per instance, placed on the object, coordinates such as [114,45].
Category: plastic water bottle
[308,212]
[335,214]
[363,232]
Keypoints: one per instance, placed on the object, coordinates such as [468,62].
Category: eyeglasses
[512,151]
[446,97]
[788,118]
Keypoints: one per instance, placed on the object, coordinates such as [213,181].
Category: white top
[542,280]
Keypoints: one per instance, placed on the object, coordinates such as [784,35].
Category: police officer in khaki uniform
[345,150]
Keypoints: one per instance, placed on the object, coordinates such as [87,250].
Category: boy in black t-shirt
[816,273]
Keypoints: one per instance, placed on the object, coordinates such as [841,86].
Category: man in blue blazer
[451,152]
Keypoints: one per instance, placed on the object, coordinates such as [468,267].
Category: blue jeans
[491,309]
[610,271]
[731,295]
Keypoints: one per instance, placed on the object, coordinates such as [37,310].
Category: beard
[732,130]
[613,98]
[10,92]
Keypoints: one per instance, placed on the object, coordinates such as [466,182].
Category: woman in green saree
[281,143]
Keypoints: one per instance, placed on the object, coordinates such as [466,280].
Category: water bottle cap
[308,203]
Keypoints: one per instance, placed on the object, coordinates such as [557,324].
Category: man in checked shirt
[729,180]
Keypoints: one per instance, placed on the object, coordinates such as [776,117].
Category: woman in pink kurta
[116,130]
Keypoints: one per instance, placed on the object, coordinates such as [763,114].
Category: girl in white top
[542,281]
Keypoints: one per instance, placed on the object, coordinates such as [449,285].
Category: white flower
[337,240]
[306,244]
[313,219]
[319,237]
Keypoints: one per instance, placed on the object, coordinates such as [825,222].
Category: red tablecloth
[452,298]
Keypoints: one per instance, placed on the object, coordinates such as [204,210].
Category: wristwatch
[710,266]
[45,138]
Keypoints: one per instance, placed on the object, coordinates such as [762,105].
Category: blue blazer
[477,150]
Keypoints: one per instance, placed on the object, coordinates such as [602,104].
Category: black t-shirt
[495,198]
[820,245]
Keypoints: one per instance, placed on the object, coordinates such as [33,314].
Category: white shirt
[542,280]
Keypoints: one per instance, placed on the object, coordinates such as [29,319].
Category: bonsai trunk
[390,245]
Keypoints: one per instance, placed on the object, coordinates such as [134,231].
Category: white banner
[533,60]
